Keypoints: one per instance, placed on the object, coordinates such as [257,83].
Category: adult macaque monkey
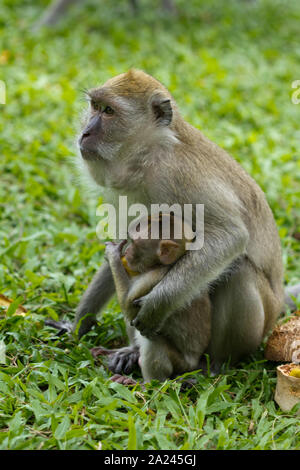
[136,143]
[181,342]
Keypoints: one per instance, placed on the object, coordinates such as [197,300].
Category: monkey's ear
[168,251]
[162,109]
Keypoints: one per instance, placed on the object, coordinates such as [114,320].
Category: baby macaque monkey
[142,266]
[179,346]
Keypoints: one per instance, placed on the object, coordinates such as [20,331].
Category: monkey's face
[106,126]
[124,112]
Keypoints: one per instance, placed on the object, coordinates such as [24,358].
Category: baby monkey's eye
[108,110]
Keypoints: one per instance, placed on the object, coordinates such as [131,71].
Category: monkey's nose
[83,136]
[93,128]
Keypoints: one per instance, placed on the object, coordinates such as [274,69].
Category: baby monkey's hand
[114,249]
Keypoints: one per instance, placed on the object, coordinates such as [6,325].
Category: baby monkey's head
[145,251]
[142,255]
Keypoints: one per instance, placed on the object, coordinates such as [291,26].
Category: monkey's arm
[191,275]
[129,289]
[95,297]
[120,276]
[145,283]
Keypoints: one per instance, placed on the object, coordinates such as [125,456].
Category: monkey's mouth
[88,148]
[88,154]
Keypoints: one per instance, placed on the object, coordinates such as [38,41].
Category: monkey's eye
[108,110]
[96,106]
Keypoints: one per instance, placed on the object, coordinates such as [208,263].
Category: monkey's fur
[147,151]
[182,342]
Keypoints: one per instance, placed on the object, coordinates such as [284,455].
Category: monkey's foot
[124,360]
[122,379]
[62,326]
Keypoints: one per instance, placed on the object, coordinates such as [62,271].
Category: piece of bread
[284,343]
[287,393]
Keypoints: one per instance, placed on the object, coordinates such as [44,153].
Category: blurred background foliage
[229,65]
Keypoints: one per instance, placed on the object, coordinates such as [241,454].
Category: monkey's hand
[114,249]
[149,320]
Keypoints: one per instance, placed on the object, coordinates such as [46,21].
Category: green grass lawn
[230,66]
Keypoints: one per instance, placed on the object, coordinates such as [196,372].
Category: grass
[230,69]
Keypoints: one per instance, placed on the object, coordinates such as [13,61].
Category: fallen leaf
[5,302]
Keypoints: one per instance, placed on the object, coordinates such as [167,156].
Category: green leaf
[62,428]
[132,433]
[122,392]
